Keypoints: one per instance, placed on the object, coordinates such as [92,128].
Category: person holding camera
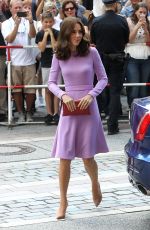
[18,30]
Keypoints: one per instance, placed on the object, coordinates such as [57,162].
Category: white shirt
[98,8]
[57,23]
[23,56]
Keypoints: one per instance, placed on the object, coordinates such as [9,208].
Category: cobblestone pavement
[29,185]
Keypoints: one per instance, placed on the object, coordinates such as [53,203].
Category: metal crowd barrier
[9,87]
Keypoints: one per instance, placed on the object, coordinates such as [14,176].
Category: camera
[22,14]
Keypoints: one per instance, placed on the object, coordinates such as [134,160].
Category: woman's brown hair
[63,49]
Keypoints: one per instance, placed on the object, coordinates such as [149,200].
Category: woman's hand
[85,101]
[142,22]
[145,28]
[69,102]
[139,24]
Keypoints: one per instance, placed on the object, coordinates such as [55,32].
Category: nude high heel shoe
[61,212]
[97,195]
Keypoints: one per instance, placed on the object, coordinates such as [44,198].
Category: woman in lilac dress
[77,135]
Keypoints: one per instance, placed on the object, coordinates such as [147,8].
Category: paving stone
[42,177]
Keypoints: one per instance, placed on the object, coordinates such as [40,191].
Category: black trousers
[111,102]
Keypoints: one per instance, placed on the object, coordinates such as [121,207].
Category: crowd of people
[118,29]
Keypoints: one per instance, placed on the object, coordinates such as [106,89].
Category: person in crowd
[48,36]
[19,31]
[81,9]
[51,8]
[4,15]
[128,9]
[77,62]
[110,34]
[40,8]
[70,9]
[27,6]
[34,5]
[138,67]
[4,10]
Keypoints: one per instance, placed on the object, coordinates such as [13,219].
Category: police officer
[110,34]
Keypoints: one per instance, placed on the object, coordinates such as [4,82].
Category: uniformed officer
[110,34]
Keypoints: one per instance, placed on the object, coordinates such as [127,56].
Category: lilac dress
[82,135]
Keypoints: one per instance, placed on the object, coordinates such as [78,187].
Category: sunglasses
[69,8]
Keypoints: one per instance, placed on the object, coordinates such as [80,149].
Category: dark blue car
[137,150]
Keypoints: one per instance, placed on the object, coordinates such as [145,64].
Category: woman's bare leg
[64,177]
[92,170]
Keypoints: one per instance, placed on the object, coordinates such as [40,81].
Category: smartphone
[22,14]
